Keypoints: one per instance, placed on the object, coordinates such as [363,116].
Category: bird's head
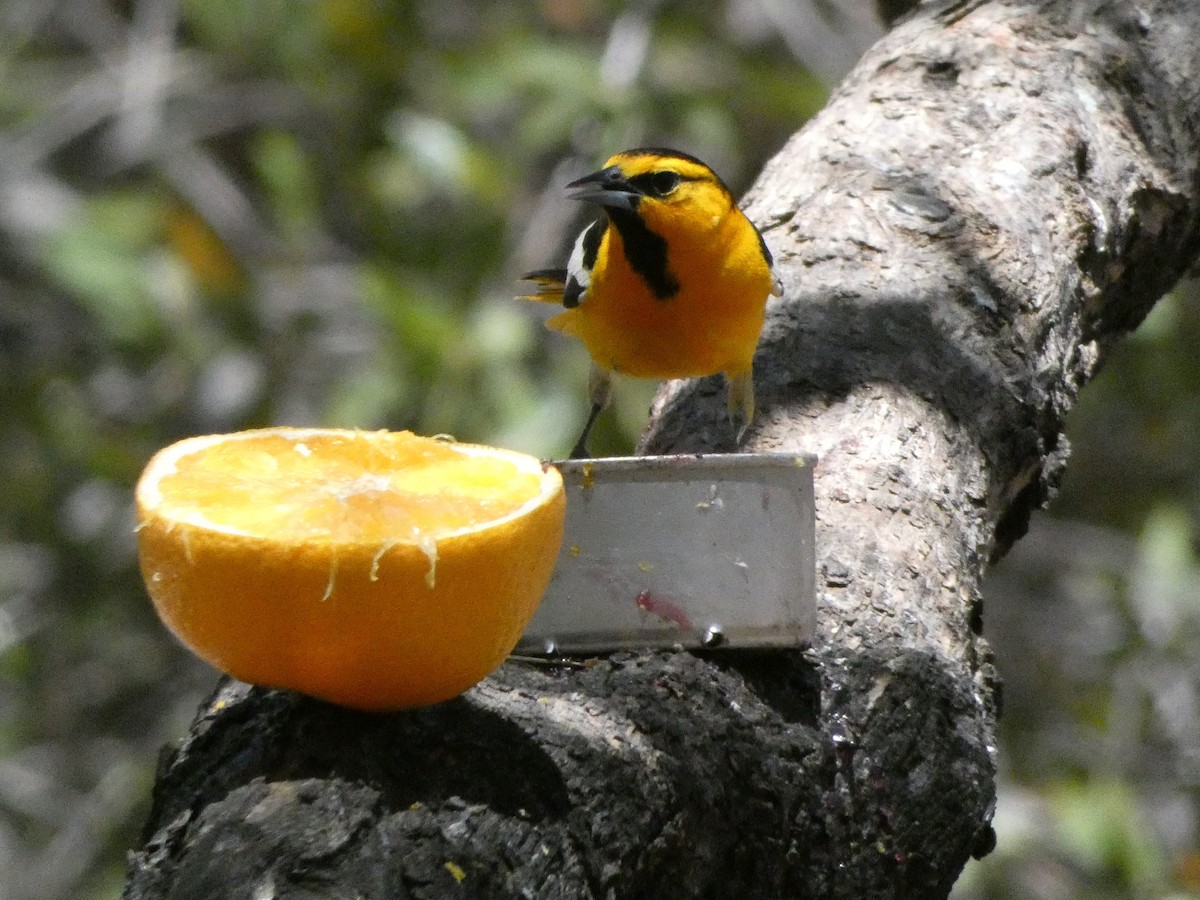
[655,182]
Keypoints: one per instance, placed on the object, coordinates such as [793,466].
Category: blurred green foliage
[217,214]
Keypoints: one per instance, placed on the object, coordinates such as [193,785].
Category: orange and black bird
[671,282]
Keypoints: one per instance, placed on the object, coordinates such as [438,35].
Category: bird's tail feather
[550,284]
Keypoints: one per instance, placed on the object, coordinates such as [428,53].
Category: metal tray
[681,551]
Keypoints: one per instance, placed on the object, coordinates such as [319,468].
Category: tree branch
[992,198]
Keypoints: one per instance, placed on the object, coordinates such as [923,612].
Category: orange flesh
[393,488]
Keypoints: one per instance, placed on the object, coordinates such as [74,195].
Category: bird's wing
[582,261]
[776,283]
[567,286]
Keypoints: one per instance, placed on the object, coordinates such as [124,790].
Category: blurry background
[217,214]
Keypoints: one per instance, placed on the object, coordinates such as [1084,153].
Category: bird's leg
[580,450]
[740,401]
[600,390]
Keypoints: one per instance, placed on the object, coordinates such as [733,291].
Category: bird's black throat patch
[645,251]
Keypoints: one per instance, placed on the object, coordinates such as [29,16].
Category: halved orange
[378,570]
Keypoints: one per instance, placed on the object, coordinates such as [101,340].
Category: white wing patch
[576,268]
[583,259]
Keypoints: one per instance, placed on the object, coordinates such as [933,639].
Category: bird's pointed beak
[608,187]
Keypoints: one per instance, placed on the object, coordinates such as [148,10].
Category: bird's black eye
[662,183]
[656,184]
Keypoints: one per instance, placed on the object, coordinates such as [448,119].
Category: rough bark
[995,194]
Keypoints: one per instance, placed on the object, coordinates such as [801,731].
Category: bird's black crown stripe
[666,153]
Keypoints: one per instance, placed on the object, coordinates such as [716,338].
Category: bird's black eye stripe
[656,184]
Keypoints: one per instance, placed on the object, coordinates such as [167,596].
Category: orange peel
[377,570]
